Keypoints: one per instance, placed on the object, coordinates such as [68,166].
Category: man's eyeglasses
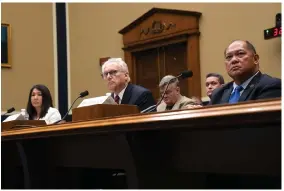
[111,73]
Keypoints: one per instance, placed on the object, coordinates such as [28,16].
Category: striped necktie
[116,99]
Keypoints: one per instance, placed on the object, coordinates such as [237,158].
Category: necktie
[236,95]
[116,99]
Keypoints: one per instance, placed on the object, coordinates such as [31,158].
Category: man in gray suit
[173,100]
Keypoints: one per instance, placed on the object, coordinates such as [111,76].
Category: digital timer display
[272,32]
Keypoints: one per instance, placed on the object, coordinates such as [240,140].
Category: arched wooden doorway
[162,42]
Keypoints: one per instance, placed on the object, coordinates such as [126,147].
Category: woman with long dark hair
[40,105]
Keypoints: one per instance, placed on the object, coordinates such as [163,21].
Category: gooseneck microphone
[183,75]
[10,110]
[82,94]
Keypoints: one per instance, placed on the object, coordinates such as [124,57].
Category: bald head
[241,61]
[248,45]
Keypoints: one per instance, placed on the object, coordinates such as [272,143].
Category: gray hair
[167,79]
[118,61]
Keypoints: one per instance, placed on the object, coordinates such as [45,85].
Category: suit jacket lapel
[127,94]
[250,87]
[227,93]
[177,104]
[162,106]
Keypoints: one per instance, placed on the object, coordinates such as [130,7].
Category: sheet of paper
[17,116]
[97,100]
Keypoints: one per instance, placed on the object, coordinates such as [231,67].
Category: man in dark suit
[242,65]
[213,81]
[115,72]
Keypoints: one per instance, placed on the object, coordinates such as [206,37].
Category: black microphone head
[84,93]
[11,110]
[186,74]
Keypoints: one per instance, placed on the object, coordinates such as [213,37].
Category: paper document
[14,117]
[97,100]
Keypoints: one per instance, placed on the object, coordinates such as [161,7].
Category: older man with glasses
[173,100]
[115,72]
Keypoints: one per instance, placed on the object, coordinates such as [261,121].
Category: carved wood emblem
[157,27]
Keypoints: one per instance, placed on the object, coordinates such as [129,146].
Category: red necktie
[116,99]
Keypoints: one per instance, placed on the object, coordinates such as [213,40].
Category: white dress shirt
[120,95]
[245,84]
[50,117]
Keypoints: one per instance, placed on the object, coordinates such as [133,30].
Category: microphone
[10,110]
[82,94]
[183,75]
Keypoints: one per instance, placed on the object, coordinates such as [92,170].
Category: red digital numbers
[277,31]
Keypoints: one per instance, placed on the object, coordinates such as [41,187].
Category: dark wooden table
[225,146]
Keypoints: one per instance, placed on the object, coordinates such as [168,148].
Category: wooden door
[165,41]
[147,69]
[175,62]
[153,64]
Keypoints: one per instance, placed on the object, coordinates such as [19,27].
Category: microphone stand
[67,111]
[82,94]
